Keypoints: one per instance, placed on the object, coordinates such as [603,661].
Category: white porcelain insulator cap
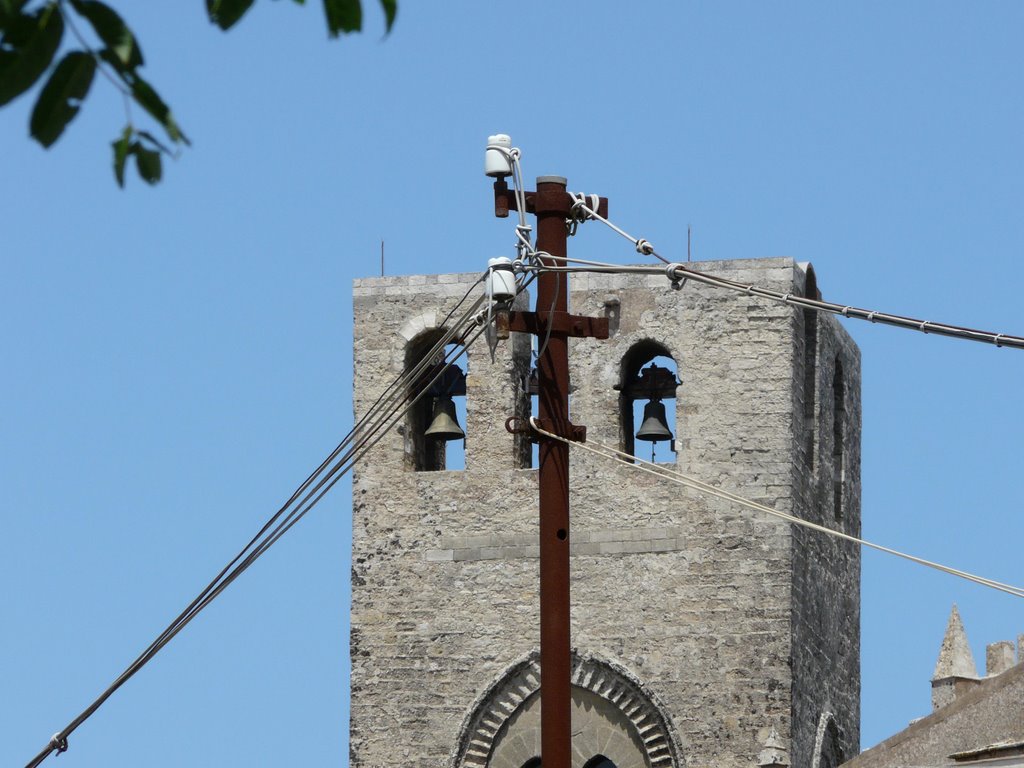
[501,279]
[497,163]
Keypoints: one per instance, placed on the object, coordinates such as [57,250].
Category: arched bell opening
[435,438]
[647,402]
[531,388]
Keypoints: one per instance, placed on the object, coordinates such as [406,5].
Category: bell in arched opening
[655,427]
[445,424]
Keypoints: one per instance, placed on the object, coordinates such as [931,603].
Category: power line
[389,408]
[678,273]
[675,476]
[581,211]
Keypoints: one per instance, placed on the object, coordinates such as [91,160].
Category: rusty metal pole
[552,324]
[551,206]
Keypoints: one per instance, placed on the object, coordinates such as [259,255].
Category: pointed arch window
[647,401]
[828,747]
[810,363]
[838,437]
[434,436]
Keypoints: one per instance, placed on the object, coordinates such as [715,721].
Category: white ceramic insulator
[501,280]
[496,162]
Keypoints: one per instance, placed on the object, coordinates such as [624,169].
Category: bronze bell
[654,429]
[445,425]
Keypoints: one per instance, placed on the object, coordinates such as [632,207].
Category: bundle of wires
[388,410]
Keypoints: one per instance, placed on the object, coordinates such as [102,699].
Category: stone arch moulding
[411,328]
[521,680]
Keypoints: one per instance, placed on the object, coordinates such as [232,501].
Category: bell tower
[704,634]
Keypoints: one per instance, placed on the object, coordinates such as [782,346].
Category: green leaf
[390,11]
[126,74]
[14,6]
[112,30]
[148,163]
[343,16]
[61,97]
[121,149]
[26,50]
[155,142]
[150,100]
[226,13]
[9,9]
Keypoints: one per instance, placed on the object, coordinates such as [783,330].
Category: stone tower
[705,634]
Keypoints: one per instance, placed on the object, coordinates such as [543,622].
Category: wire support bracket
[675,273]
[581,210]
[505,201]
[537,429]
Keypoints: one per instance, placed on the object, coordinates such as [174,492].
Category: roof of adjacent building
[989,716]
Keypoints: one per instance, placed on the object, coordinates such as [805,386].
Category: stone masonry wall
[722,613]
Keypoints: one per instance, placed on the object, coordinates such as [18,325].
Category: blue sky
[178,359]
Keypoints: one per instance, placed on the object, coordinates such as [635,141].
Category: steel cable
[690,482]
[678,273]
